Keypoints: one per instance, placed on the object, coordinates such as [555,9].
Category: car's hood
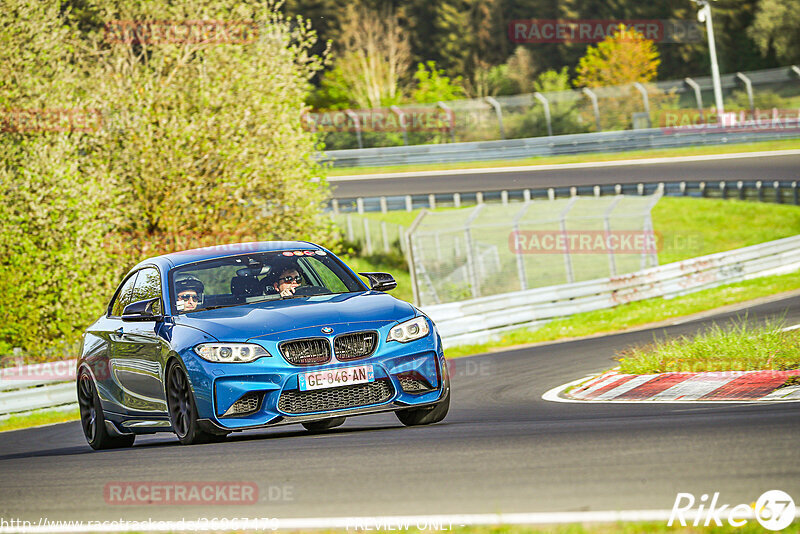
[239,323]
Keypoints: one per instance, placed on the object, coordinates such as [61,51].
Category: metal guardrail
[778,191]
[31,387]
[653,138]
[477,320]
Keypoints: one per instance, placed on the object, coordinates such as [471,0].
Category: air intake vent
[414,383]
[245,405]
[323,400]
[350,347]
[310,351]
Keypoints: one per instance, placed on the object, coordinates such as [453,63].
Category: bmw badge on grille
[327,329]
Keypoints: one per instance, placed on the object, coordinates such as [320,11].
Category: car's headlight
[409,330]
[230,352]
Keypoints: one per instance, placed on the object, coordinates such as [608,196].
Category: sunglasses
[290,279]
[187,297]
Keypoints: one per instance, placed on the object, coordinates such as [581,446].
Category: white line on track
[565,166]
[377,523]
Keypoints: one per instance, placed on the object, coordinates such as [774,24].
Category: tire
[326,424]
[427,415]
[183,410]
[93,422]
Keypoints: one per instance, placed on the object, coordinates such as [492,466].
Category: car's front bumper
[218,386]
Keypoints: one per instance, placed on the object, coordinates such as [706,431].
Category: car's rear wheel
[93,422]
[427,415]
[319,426]
[183,410]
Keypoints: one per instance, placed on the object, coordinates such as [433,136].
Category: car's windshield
[258,277]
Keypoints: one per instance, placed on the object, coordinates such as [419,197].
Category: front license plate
[331,378]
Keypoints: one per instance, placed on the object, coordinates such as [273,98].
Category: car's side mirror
[143,310]
[380,281]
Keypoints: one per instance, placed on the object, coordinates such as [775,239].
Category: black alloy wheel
[93,422]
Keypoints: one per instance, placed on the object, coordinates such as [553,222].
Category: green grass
[691,227]
[740,347]
[636,314]
[44,417]
[582,158]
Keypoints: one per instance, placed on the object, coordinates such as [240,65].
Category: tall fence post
[385,235]
[367,236]
[452,118]
[472,267]
[409,239]
[350,235]
[645,100]
[563,225]
[698,96]
[357,123]
[612,262]
[595,107]
[748,85]
[402,118]
[499,112]
[523,276]
[541,98]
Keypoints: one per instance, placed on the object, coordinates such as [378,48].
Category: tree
[433,86]
[200,144]
[374,56]
[775,29]
[624,57]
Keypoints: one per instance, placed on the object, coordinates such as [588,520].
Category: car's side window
[123,297]
[148,286]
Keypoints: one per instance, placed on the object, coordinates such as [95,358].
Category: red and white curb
[727,386]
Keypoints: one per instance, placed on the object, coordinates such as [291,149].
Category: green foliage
[739,347]
[434,86]
[775,29]
[200,144]
[564,113]
[622,58]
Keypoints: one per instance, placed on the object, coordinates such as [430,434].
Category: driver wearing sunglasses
[189,291]
[288,281]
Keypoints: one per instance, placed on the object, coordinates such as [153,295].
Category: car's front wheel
[183,410]
[427,415]
[93,422]
[319,426]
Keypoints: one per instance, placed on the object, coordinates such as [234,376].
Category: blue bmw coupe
[211,341]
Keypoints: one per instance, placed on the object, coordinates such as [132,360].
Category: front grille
[310,351]
[246,405]
[414,385]
[338,398]
[349,347]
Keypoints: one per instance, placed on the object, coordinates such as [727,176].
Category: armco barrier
[477,320]
[559,145]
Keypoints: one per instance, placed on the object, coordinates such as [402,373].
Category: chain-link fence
[493,249]
[371,235]
[667,104]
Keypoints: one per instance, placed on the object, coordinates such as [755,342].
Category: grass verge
[581,158]
[39,418]
[742,347]
[636,314]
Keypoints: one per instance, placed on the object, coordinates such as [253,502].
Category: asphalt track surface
[501,449]
[765,168]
